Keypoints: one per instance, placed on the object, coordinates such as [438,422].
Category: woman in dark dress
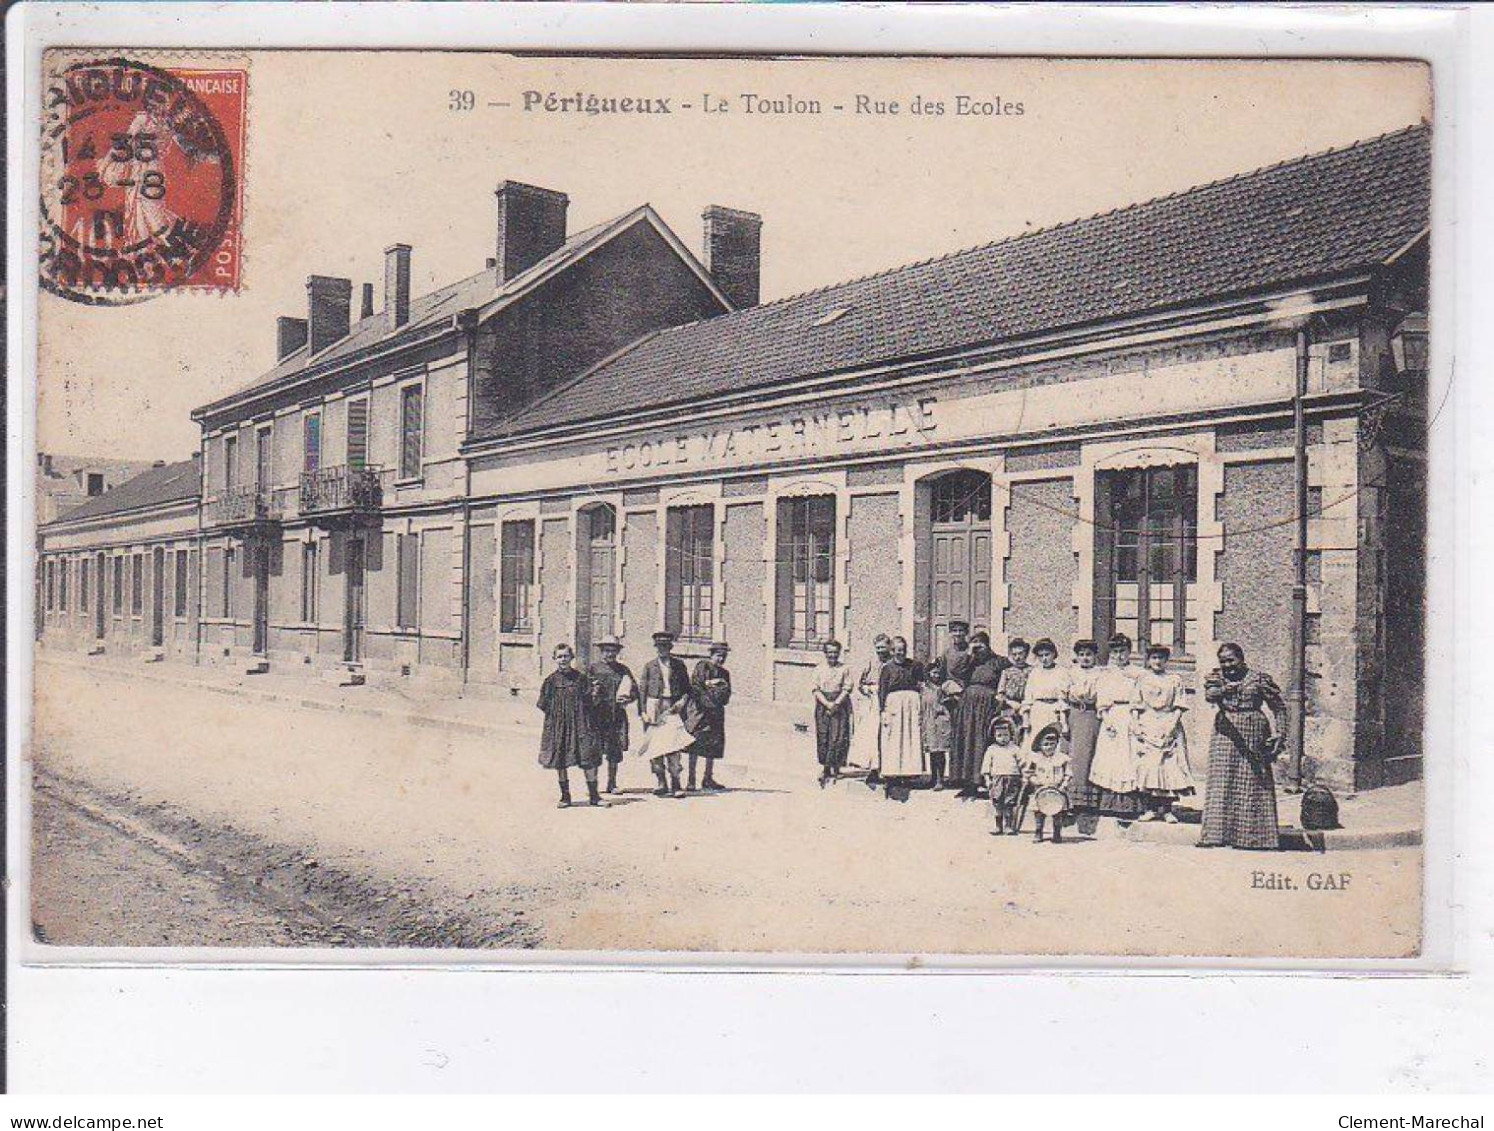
[567,739]
[705,714]
[1084,730]
[1240,798]
[977,707]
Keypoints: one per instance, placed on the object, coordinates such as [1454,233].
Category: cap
[663,636]
[719,646]
[609,641]
[963,624]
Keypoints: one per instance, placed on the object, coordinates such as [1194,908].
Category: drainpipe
[1296,697]
[467,322]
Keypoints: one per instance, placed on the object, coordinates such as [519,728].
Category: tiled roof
[169,483]
[437,306]
[1312,218]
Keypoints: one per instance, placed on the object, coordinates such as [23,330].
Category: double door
[596,560]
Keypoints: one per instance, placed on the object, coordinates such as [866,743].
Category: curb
[1293,839]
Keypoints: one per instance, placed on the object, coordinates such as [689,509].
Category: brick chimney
[290,335]
[329,304]
[397,284]
[531,224]
[365,309]
[733,252]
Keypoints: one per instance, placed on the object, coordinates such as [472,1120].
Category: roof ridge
[1058,227]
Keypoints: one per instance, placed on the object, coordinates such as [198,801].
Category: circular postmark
[138,183]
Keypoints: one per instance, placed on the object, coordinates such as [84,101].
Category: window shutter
[358,435]
[410,431]
[783,567]
[408,569]
[674,557]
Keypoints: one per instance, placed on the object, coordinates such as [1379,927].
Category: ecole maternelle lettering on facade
[1077,431]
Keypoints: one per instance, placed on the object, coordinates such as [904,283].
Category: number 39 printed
[462,100]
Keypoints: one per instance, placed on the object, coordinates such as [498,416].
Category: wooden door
[352,625]
[960,557]
[595,587]
[158,597]
[261,558]
[98,597]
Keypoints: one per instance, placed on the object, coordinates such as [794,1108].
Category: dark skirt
[710,740]
[832,734]
[972,731]
[1084,729]
[1240,798]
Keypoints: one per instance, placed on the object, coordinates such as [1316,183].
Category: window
[411,430]
[137,585]
[516,581]
[690,595]
[95,483]
[118,585]
[230,561]
[51,573]
[358,434]
[83,585]
[1153,552]
[308,582]
[805,571]
[407,576]
[179,594]
[311,442]
[62,568]
[264,476]
[230,462]
[962,497]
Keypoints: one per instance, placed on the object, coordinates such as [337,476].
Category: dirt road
[424,836]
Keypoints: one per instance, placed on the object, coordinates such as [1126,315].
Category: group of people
[1079,741]
[683,714]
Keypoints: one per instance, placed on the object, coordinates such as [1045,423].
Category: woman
[1113,769]
[1084,729]
[1163,771]
[1240,797]
[979,704]
[567,739]
[705,714]
[901,707]
[866,726]
[832,713]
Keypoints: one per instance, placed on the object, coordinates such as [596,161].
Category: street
[169,815]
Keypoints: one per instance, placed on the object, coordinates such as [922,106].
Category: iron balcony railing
[240,507]
[341,490]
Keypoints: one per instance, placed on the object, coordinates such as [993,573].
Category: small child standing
[1002,770]
[1048,767]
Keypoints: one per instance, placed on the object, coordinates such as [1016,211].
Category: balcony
[341,496]
[241,510]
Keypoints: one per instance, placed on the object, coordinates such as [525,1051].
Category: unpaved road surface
[108,868]
[286,825]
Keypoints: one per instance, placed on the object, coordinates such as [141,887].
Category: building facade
[1079,431]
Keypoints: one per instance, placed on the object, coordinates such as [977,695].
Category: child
[1162,768]
[1002,770]
[1043,701]
[1014,678]
[1047,766]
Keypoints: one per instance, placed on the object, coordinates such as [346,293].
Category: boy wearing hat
[710,692]
[613,688]
[663,690]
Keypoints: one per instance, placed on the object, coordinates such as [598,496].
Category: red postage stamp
[141,180]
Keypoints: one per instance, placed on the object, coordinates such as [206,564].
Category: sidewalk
[773,744]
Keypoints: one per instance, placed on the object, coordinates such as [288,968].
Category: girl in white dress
[1162,769]
[1044,699]
[1114,766]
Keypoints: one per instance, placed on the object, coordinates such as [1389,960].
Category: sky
[348,152]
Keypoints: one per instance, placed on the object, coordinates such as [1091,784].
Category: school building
[1077,431]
